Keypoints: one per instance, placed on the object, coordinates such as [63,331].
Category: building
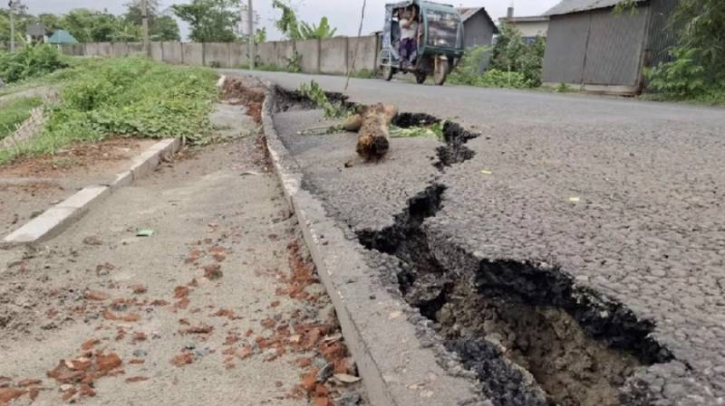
[36,33]
[530,27]
[591,48]
[62,37]
[478,26]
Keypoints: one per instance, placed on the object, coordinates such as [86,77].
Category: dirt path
[220,306]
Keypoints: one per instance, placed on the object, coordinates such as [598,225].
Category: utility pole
[11,12]
[145,21]
[252,40]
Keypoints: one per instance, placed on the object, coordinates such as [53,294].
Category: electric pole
[11,12]
[145,21]
[252,40]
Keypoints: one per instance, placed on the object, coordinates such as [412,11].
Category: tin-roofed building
[36,33]
[478,26]
[594,49]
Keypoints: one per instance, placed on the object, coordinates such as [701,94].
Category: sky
[343,14]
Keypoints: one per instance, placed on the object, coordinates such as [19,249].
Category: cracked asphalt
[623,195]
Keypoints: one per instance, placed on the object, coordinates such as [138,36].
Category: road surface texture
[220,306]
[575,258]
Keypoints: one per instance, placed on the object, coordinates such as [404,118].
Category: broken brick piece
[243,352]
[90,344]
[181,292]
[159,303]
[64,374]
[96,295]
[182,359]
[29,382]
[130,317]
[182,304]
[139,337]
[7,395]
[87,391]
[135,379]
[138,289]
[107,362]
[201,329]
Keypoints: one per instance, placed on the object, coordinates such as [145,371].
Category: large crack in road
[527,331]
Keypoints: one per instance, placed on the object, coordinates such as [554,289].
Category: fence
[330,56]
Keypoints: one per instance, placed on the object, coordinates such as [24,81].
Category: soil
[30,185]
[221,305]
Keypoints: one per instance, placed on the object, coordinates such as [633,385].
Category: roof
[531,19]
[468,12]
[36,30]
[575,6]
[62,37]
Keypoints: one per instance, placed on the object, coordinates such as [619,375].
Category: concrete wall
[217,53]
[173,53]
[239,55]
[119,49]
[157,51]
[135,48]
[367,53]
[310,51]
[266,54]
[193,53]
[333,56]
[284,51]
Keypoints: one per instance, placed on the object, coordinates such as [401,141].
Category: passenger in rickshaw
[409,34]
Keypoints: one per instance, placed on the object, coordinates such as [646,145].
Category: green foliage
[128,97]
[261,35]
[14,112]
[161,28]
[314,92]
[29,62]
[469,70]
[683,78]
[364,74]
[434,130]
[563,88]
[294,63]
[210,20]
[320,31]
[90,26]
[287,23]
[512,53]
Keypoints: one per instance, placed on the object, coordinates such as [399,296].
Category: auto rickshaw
[439,40]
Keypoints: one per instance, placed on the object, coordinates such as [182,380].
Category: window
[442,29]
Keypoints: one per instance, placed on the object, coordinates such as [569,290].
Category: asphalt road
[623,195]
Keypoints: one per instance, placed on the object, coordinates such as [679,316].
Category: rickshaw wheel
[388,73]
[420,77]
[441,71]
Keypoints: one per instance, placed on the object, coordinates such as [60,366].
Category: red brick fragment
[182,359]
[135,379]
[96,295]
[138,289]
[213,272]
[90,344]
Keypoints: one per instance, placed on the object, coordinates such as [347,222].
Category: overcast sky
[343,14]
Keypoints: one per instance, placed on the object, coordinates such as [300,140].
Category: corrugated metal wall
[596,48]
[616,43]
[662,36]
[566,46]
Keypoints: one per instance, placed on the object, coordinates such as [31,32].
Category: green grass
[14,112]
[130,97]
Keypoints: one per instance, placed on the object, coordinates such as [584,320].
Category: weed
[29,62]
[434,130]
[364,74]
[314,92]
[14,112]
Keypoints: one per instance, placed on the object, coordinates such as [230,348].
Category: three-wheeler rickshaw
[439,40]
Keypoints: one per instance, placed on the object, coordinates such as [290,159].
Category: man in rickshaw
[409,35]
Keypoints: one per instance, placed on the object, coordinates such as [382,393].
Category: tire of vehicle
[420,77]
[388,73]
[441,71]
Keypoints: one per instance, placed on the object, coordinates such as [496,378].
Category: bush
[471,67]
[512,53]
[14,112]
[127,97]
[30,62]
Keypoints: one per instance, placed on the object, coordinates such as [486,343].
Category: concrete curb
[58,218]
[398,364]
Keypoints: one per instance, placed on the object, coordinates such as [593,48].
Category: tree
[289,25]
[210,20]
[90,26]
[261,35]
[51,22]
[161,27]
[321,31]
